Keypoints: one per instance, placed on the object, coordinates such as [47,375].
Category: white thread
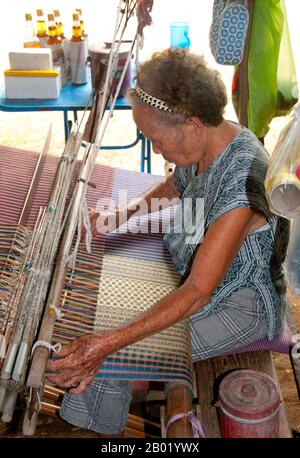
[141,41]
[67,158]
[87,225]
[42,343]
[32,271]
[30,398]
[195,423]
[57,311]
[71,259]
[39,400]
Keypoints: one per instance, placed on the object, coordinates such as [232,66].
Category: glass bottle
[41,29]
[78,53]
[30,39]
[53,38]
[79,12]
[65,44]
[76,29]
[54,42]
[59,25]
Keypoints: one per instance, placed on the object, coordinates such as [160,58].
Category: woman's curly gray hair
[184,82]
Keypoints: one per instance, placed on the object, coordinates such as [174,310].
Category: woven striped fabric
[126,273]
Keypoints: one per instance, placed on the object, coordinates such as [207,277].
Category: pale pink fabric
[280,344]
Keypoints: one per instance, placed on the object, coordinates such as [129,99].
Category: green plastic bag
[287,88]
[272,79]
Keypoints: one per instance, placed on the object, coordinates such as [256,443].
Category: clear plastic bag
[282,181]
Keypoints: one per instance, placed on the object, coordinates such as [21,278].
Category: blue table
[75,98]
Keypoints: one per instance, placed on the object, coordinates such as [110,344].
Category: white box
[31,59]
[20,85]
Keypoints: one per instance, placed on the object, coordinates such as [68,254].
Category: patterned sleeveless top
[234,179]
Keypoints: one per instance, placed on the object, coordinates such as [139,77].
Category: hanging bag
[282,182]
[228,31]
[287,86]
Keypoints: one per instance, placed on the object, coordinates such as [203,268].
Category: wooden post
[243,72]
[179,400]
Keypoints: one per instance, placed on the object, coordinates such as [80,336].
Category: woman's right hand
[102,222]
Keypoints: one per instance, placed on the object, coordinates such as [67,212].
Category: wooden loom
[120,261]
[38,255]
[178,399]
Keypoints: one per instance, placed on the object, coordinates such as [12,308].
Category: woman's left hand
[78,363]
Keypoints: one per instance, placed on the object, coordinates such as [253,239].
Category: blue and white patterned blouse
[234,179]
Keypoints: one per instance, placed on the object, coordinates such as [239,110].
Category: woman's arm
[211,263]
[213,259]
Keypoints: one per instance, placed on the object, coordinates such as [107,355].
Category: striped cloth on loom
[125,273]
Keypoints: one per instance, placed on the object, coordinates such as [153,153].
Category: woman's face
[177,143]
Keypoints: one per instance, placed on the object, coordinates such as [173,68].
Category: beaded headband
[153,101]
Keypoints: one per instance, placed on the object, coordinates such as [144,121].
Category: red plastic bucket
[99,52]
[249,405]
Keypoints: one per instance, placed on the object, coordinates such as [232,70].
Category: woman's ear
[195,125]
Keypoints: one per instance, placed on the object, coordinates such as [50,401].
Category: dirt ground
[28,130]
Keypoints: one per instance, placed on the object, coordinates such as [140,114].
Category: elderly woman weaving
[233,287]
